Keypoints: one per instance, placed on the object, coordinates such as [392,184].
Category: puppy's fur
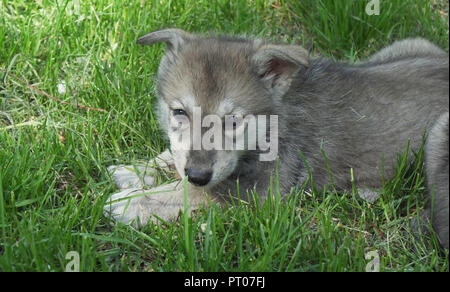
[355,113]
[437,178]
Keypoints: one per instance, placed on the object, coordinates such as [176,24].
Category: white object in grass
[62,88]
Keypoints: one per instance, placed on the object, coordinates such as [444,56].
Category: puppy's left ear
[173,37]
[276,65]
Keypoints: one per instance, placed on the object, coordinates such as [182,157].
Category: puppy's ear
[276,65]
[173,37]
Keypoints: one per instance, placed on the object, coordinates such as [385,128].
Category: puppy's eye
[179,112]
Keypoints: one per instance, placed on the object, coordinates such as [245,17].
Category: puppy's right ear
[276,65]
[173,38]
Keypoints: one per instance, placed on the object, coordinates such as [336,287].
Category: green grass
[53,156]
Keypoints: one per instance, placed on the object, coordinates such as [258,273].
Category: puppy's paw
[164,160]
[132,176]
[138,206]
[127,206]
[140,175]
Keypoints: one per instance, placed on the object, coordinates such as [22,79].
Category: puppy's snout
[198,177]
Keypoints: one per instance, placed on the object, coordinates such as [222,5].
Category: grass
[53,156]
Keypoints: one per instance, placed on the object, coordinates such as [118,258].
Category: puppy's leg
[134,206]
[437,171]
[140,174]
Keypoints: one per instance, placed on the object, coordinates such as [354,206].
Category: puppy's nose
[198,177]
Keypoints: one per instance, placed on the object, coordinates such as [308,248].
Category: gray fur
[356,113]
[437,169]
[174,38]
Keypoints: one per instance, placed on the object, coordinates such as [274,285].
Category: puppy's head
[208,87]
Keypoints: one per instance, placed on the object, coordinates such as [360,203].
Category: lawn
[54,154]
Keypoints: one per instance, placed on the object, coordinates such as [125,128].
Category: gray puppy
[354,113]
